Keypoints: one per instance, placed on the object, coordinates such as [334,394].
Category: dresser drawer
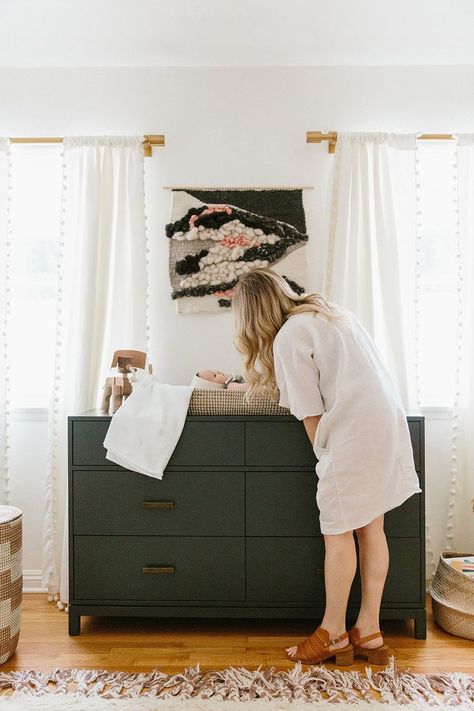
[294,571]
[285,569]
[415,427]
[278,443]
[286,443]
[111,568]
[405,520]
[281,503]
[403,584]
[87,443]
[183,503]
[208,443]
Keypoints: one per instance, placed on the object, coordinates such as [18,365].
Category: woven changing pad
[231,402]
[452,597]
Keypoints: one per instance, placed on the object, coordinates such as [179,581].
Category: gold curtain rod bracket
[331,138]
[149,141]
[318,137]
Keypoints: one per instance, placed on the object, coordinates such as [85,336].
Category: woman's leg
[373,562]
[340,565]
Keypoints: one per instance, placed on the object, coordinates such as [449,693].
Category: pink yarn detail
[208,211]
[227,292]
[234,240]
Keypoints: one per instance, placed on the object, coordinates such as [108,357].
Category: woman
[330,374]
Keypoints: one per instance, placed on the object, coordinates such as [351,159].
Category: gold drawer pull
[159,569]
[158,504]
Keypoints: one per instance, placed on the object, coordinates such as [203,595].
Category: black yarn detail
[215,220]
[224,302]
[203,289]
[281,204]
[271,252]
[182,225]
[190,264]
[296,287]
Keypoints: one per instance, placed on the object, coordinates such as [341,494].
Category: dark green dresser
[230,531]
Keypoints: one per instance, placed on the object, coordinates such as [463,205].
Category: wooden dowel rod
[250,187]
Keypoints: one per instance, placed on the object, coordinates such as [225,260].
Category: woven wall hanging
[215,235]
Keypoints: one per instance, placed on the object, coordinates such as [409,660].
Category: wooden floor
[141,644]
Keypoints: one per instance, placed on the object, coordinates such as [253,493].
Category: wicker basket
[231,402]
[452,598]
[11,579]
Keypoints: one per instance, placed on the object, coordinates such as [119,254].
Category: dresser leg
[74,622]
[420,625]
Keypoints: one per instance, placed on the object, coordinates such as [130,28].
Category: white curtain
[460,525]
[5,234]
[102,304]
[363,262]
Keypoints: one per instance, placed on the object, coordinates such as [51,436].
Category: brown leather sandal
[377,655]
[315,649]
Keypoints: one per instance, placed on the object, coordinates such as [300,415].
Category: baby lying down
[216,380]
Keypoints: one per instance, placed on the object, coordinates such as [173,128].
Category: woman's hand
[311,425]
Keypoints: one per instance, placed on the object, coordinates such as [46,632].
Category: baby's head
[209,379]
[217,380]
[213,376]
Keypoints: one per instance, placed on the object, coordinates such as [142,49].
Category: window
[35,210]
[35,215]
[437,198]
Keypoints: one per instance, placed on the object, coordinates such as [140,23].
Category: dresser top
[99,415]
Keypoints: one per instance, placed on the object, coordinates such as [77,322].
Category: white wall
[229,126]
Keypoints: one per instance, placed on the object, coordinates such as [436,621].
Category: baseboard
[32,582]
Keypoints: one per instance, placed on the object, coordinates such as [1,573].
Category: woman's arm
[311,425]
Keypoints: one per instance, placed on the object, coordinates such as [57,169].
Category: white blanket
[145,429]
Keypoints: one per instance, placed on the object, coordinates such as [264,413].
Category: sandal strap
[323,636]
[340,638]
[317,645]
[368,637]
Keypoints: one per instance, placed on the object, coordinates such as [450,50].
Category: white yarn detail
[223,272]
[50,577]
[222,264]
[454,481]
[431,563]
[5,467]
[231,228]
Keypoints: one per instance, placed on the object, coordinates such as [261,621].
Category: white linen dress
[365,465]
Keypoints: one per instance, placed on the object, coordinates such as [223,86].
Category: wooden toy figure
[118,386]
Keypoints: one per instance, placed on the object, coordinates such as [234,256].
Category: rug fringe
[59,703]
[313,683]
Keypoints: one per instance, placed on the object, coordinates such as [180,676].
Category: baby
[216,379]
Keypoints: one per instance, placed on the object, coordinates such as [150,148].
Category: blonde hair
[262,302]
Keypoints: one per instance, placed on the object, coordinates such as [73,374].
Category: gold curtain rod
[331,137]
[148,142]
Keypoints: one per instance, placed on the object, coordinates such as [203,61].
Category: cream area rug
[68,704]
[235,689]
